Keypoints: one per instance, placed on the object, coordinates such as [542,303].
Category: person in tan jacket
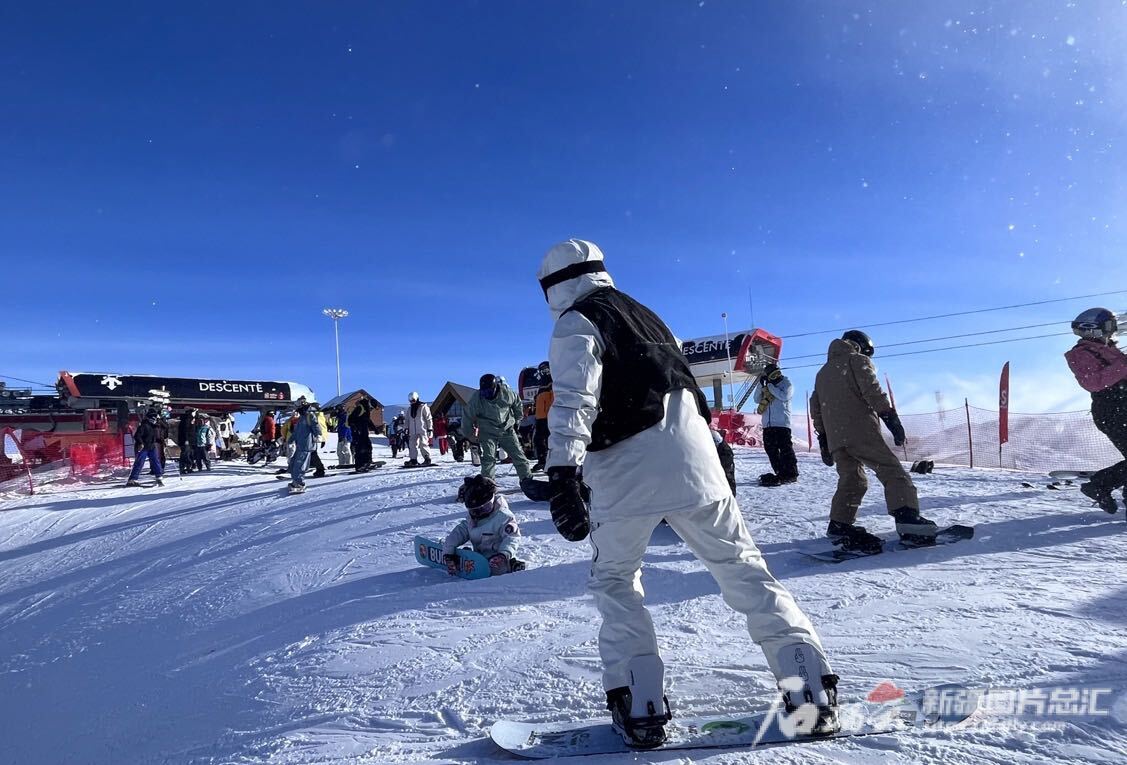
[847,406]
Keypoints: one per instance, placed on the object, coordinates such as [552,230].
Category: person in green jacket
[495,410]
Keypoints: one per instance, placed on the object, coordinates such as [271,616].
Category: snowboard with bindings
[945,536]
[295,489]
[892,711]
[471,565]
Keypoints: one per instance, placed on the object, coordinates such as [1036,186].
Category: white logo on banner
[112,382]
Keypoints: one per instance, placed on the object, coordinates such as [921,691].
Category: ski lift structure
[739,359]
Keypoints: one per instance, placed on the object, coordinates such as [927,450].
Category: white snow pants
[344,453]
[718,537]
[417,444]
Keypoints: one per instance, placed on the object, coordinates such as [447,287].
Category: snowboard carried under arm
[933,708]
[471,565]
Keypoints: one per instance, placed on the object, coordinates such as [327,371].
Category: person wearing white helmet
[1101,369]
[420,430]
[628,412]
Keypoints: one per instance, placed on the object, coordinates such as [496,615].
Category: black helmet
[478,496]
[488,385]
[861,340]
[1095,324]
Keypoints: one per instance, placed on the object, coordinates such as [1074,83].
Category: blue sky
[184,189]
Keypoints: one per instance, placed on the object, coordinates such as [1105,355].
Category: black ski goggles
[572,271]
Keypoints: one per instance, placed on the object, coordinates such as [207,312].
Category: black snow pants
[1109,411]
[780,450]
[361,448]
[540,441]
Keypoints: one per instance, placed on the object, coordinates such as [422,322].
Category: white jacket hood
[572,252]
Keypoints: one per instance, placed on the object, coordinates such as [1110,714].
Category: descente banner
[113,386]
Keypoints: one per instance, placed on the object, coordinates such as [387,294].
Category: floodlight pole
[336,314]
[728,352]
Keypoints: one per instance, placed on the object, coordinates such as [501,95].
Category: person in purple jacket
[1101,369]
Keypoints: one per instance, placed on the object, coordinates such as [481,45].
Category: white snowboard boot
[640,710]
[809,690]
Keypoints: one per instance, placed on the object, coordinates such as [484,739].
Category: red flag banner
[1004,406]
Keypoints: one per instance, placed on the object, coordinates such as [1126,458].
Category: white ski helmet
[1095,324]
[413,396]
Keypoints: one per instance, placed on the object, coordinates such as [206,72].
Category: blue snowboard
[471,565]
[932,708]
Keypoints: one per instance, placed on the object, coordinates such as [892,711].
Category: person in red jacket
[440,432]
[1101,369]
[268,430]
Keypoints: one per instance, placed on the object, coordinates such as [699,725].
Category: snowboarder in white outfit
[628,412]
[420,430]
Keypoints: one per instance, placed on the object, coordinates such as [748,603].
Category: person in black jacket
[186,438]
[360,420]
[145,442]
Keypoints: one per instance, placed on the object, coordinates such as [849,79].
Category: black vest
[642,362]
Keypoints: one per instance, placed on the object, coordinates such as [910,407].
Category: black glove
[569,498]
[823,445]
[892,422]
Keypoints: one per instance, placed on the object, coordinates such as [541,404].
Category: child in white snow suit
[489,526]
[628,411]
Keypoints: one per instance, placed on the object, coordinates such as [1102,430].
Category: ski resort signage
[87,385]
[747,352]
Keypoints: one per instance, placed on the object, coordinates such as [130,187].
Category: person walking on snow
[773,393]
[1101,369]
[204,437]
[344,440]
[628,411]
[186,439]
[441,433]
[544,399]
[305,434]
[420,430]
[147,445]
[847,406]
[490,527]
[360,420]
[495,410]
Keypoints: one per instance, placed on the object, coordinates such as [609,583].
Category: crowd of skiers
[199,438]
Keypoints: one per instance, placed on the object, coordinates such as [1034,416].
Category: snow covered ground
[218,620]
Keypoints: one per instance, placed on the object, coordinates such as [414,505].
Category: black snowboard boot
[516,565]
[638,732]
[913,527]
[1101,495]
[769,479]
[854,538]
[826,723]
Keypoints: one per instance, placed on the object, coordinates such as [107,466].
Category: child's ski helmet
[480,492]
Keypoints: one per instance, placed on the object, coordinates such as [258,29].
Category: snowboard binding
[639,732]
[854,538]
[639,711]
[825,720]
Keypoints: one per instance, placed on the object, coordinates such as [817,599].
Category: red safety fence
[41,457]
[15,473]
[968,436]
